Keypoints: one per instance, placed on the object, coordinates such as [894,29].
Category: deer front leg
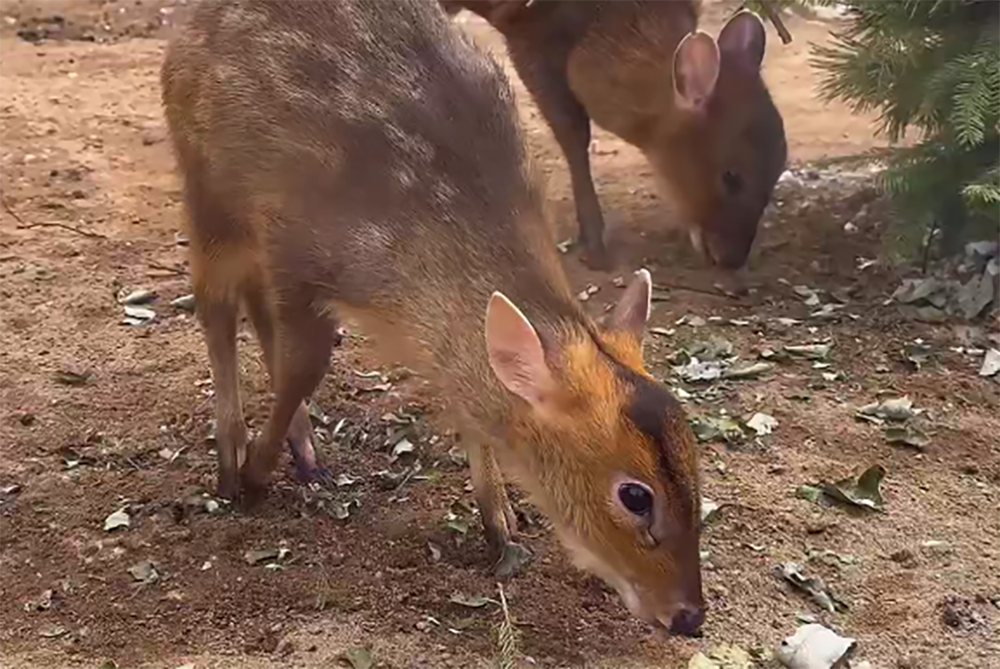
[499,521]
[544,75]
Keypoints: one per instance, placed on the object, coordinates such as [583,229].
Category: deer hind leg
[218,314]
[300,432]
[499,521]
[220,264]
[302,339]
[217,301]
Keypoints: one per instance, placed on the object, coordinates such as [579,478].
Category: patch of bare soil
[100,416]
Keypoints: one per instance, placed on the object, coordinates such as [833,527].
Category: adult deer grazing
[362,160]
[698,109]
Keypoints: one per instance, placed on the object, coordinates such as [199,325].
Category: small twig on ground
[14,214]
[23,225]
[63,226]
[409,474]
[177,271]
[177,454]
[926,251]
[691,289]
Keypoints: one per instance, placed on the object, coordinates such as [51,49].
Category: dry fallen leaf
[812,586]
[136,315]
[265,555]
[762,423]
[52,631]
[991,363]
[68,377]
[140,296]
[144,572]
[471,601]
[700,370]
[748,371]
[402,447]
[907,435]
[814,646]
[184,303]
[896,408]
[809,351]
[117,519]
[708,509]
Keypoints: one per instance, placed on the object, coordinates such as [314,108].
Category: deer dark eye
[732,181]
[636,498]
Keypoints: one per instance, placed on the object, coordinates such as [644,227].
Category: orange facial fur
[584,440]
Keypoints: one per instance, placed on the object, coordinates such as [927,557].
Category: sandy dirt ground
[98,416]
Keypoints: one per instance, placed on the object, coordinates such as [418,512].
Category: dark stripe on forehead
[649,407]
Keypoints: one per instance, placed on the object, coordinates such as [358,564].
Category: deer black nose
[687,621]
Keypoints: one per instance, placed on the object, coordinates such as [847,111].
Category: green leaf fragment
[810,492]
[357,658]
[863,492]
[710,428]
[722,656]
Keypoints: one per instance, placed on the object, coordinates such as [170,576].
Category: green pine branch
[932,66]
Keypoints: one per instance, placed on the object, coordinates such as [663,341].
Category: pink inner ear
[515,351]
[696,70]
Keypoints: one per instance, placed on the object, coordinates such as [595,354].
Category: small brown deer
[363,160]
[698,109]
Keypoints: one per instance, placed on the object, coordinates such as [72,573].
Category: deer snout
[684,618]
[726,257]
[727,251]
[687,621]
[684,621]
[714,251]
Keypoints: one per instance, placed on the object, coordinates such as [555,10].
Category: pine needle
[507,652]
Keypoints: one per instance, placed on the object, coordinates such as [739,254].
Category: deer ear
[695,70]
[515,351]
[632,311]
[744,38]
